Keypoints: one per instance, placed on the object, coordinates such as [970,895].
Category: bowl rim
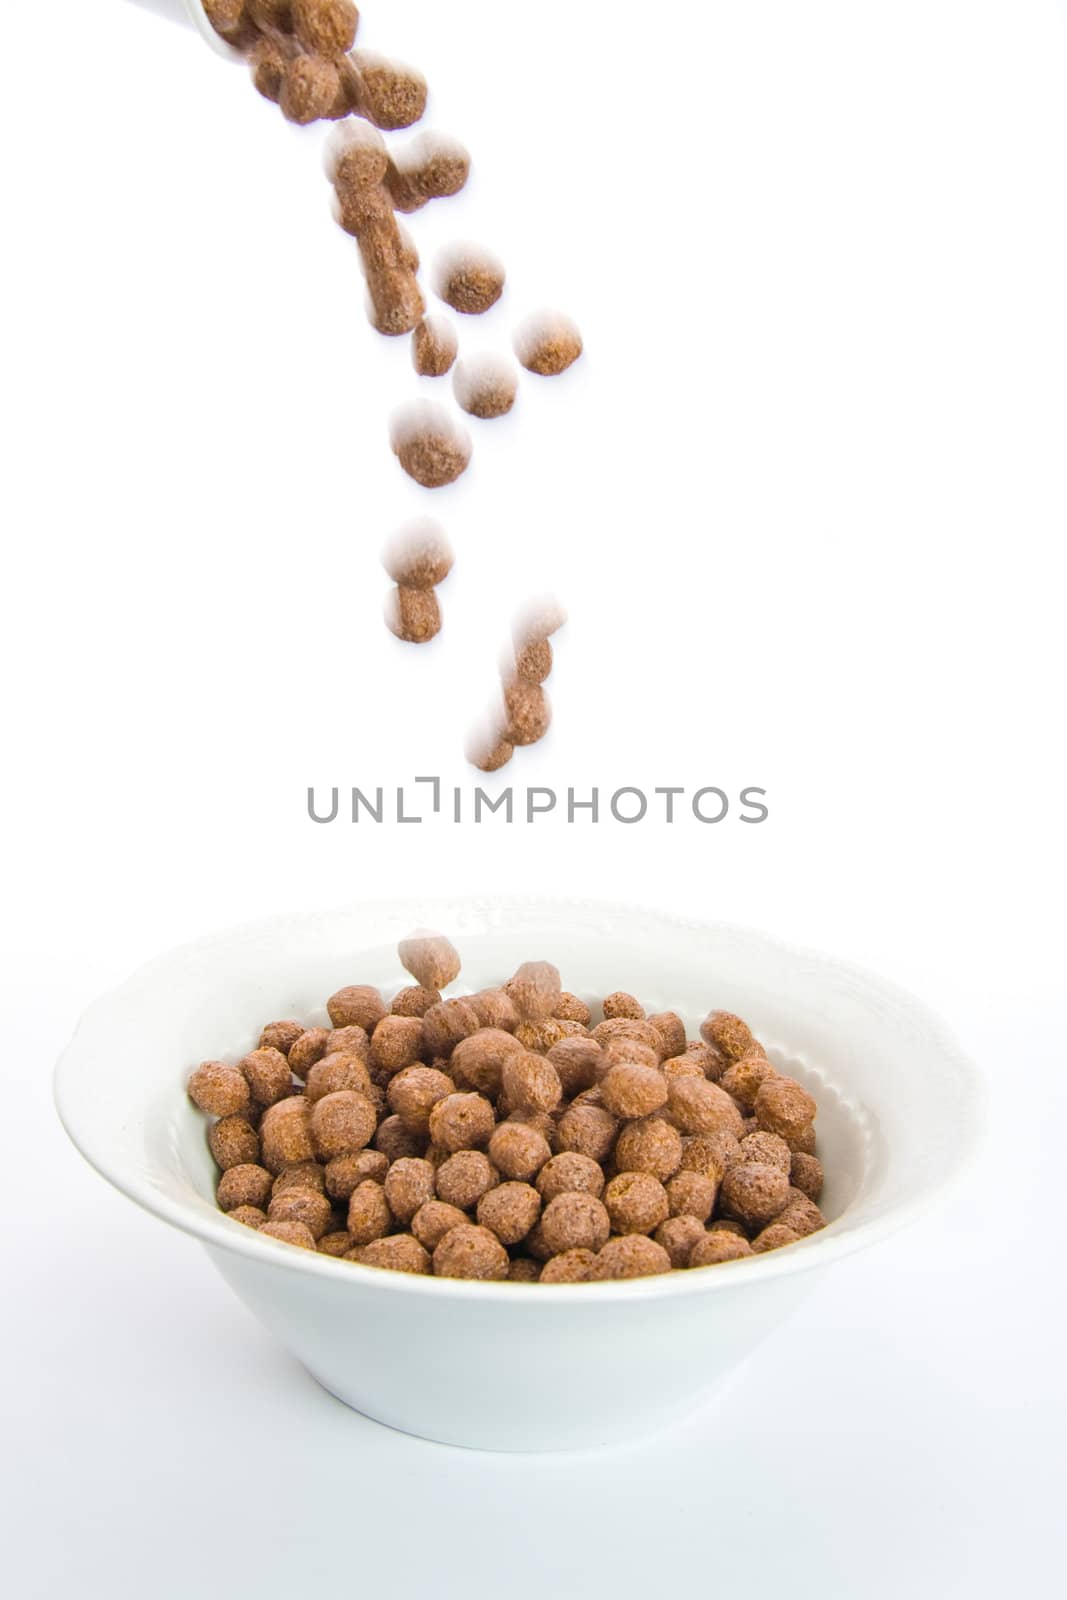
[218,1232]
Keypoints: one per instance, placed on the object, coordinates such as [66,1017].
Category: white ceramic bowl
[191,13]
[514,1366]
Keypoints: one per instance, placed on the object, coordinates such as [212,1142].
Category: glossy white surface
[868,1051]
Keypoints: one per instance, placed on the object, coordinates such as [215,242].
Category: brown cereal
[518,1151]
[728,1225]
[531,1082]
[636,1202]
[244,1185]
[233,1142]
[805,1174]
[742,1078]
[270,15]
[285,1134]
[678,1235]
[470,279]
[394,1140]
[682,1066]
[413,615]
[621,1004]
[614,1028]
[527,712]
[629,1090]
[651,1144]
[754,1192]
[535,990]
[431,447]
[670,1030]
[727,1033]
[414,1092]
[357,1006]
[396,1043]
[267,1075]
[350,1041]
[302,1205]
[341,1124]
[715,1247]
[541,1037]
[494,1009]
[338,1070]
[434,347]
[289,1233]
[570,1173]
[326,26]
[533,662]
[463,1178]
[697,1106]
[431,167]
[576,1061]
[432,960]
[489,752]
[568,1007]
[309,88]
[801,1214]
[766,1147]
[433,1220]
[280,1036]
[509,1210]
[419,556]
[414,1001]
[461,1122]
[304,1175]
[571,1266]
[627,1052]
[574,1221]
[711,1060]
[587,1129]
[692,1194]
[249,1216]
[446,1024]
[774,1237]
[467,1251]
[389,95]
[524,1269]
[485,386]
[344,1174]
[309,1048]
[369,1216]
[478,1061]
[783,1107]
[400,1253]
[547,344]
[802,1143]
[268,60]
[409,1184]
[338,1243]
[631,1256]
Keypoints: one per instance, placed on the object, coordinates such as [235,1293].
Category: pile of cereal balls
[504,1135]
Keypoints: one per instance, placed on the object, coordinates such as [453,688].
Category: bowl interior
[869,1053]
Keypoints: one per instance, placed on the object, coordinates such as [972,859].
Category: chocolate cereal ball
[773,1237]
[682,1066]
[245,1185]
[574,1221]
[280,1036]
[697,1106]
[462,1122]
[711,1153]
[432,960]
[335,1071]
[477,1062]
[467,1251]
[304,1175]
[369,1216]
[434,347]
[469,279]
[636,1202]
[727,1033]
[548,343]
[433,1220]
[527,712]
[285,1134]
[510,1211]
[446,1024]
[326,26]
[716,1247]
[233,1142]
[518,1151]
[344,1174]
[766,1147]
[678,1235]
[396,1042]
[691,1194]
[409,1183]
[754,1192]
[336,1244]
[711,1061]
[635,1256]
[341,1123]
[728,1225]
[670,1029]
[621,1004]
[541,1037]
[531,1082]
[302,1205]
[358,1006]
[414,1001]
[801,1215]
[523,1269]
[248,1216]
[805,1174]
[309,1048]
[309,88]
[268,1076]
[535,990]
[576,1060]
[495,1009]
[569,1007]
[394,1140]
[289,1233]
[783,1107]
[742,1079]
[629,1090]
[399,1253]
[587,1129]
[414,1092]
[613,1028]
[350,1041]
[626,1052]
[463,1178]
[570,1173]
[571,1266]
[650,1145]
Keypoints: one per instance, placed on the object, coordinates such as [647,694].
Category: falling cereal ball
[533,662]
[432,960]
[470,279]
[485,386]
[231,21]
[271,15]
[388,94]
[488,749]
[432,167]
[268,60]
[325,26]
[548,343]
[528,712]
[430,447]
[418,556]
[433,347]
[309,88]
[413,615]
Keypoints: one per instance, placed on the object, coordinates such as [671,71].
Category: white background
[805,501]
